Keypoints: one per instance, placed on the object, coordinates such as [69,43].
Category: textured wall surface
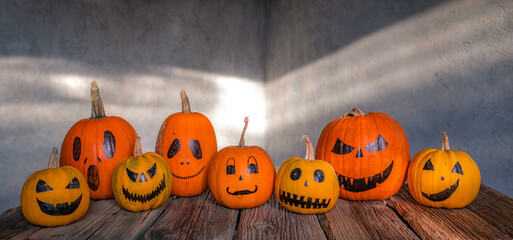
[432,66]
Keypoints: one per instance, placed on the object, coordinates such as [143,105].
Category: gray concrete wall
[431,65]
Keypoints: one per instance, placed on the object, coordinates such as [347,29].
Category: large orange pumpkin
[369,152]
[241,176]
[96,145]
[187,142]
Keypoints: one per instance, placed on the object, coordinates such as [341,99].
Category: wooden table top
[490,216]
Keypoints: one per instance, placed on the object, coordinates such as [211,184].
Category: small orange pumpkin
[96,145]
[187,142]
[241,176]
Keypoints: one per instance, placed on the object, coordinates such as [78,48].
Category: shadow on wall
[449,68]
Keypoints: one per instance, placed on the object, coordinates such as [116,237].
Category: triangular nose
[143,178]
[306,183]
[359,153]
[240,177]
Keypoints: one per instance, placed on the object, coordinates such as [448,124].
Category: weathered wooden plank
[436,223]
[364,220]
[12,223]
[272,221]
[495,208]
[197,217]
[98,214]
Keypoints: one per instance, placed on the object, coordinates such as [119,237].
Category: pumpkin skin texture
[187,141]
[141,182]
[443,178]
[55,196]
[306,185]
[369,152]
[241,176]
[96,145]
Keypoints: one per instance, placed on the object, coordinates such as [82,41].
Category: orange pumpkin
[369,152]
[96,145]
[187,142]
[241,176]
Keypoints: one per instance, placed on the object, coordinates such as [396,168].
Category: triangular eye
[131,175]
[341,148]
[457,169]
[73,184]
[195,147]
[152,170]
[428,166]
[42,187]
[109,144]
[173,149]
[378,145]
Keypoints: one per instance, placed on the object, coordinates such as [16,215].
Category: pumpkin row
[364,157]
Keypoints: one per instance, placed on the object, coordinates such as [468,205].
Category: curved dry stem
[54,159]
[445,141]
[310,154]
[242,142]
[138,147]
[354,113]
[97,109]
[186,106]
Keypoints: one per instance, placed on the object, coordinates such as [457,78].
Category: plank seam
[402,219]
[237,224]
[100,226]
[319,216]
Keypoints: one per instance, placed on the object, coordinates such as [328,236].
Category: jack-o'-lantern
[306,185]
[55,196]
[96,145]
[141,182]
[369,152]
[443,178]
[187,142]
[241,176]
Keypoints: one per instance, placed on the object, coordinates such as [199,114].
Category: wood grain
[436,223]
[13,223]
[364,220]
[272,221]
[197,217]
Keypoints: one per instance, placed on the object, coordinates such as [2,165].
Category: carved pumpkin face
[95,146]
[443,178]
[141,182]
[369,152]
[241,176]
[55,196]
[306,186]
[187,142]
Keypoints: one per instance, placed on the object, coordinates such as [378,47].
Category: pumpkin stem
[309,149]
[186,106]
[241,142]
[97,110]
[54,161]
[354,113]
[445,142]
[138,147]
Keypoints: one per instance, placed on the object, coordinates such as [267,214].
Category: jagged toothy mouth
[443,195]
[242,192]
[146,197]
[60,209]
[187,177]
[365,183]
[296,201]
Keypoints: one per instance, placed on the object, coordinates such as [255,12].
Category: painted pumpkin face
[187,142]
[241,176]
[141,182]
[95,146]
[369,152]
[443,178]
[55,196]
[306,186]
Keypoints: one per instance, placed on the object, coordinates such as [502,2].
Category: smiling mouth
[364,183]
[296,201]
[60,209]
[187,177]
[146,197]
[441,196]
[242,192]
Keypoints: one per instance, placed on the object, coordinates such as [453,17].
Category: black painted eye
[341,148]
[319,176]
[152,170]
[457,169]
[195,147]
[252,165]
[131,175]
[230,166]
[73,184]
[295,174]
[42,187]
[77,148]
[378,145]
[173,149]
[109,144]
[428,166]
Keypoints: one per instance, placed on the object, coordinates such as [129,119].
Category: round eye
[319,176]
[295,174]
